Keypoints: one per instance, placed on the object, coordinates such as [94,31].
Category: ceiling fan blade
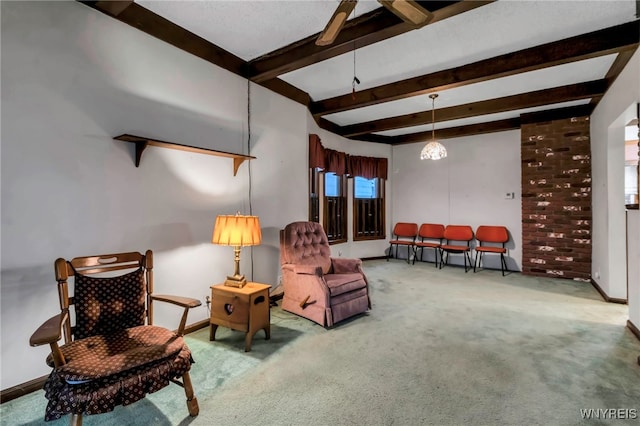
[339,17]
[410,11]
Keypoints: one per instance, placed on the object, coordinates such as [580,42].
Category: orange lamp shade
[237,230]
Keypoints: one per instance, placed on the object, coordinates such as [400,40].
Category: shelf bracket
[141,143]
[236,164]
[140,146]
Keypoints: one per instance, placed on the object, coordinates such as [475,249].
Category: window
[368,209]
[335,207]
[314,194]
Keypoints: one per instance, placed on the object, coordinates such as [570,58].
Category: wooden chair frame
[52,330]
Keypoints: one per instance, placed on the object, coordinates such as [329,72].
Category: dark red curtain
[316,153]
[368,167]
[336,161]
[340,163]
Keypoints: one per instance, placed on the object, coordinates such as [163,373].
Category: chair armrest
[305,286]
[50,331]
[185,302]
[341,266]
[304,269]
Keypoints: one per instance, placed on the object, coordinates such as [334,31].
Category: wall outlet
[509,196]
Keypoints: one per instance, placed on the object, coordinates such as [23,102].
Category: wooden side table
[242,309]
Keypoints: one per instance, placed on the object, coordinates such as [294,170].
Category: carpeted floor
[439,347]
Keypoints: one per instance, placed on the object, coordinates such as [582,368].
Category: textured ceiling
[252,29]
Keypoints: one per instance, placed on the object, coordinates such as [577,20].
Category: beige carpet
[439,347]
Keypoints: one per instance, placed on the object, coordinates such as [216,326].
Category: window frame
[335,209]
[314,194]
[378,205]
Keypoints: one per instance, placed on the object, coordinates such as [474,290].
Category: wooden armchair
[113,355]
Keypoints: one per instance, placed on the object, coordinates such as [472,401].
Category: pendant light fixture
[434,150]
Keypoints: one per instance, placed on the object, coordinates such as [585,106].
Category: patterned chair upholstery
[113,355]
[316,286]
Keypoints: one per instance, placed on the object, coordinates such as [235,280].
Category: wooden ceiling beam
[146,21]
[376,138]
[621,38]
[490,126]
[567,93]
[456,132]
[557,114]
[372,27]
[618,65]
[165,30]
[112,7]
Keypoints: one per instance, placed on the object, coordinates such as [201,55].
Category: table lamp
[237,231]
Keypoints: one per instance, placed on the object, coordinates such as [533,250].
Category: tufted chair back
[305,243]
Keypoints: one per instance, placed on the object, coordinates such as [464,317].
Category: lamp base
[238,281]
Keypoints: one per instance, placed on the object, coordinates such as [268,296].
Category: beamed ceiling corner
[379,25]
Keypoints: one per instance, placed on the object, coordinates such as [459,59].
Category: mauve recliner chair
[316,286]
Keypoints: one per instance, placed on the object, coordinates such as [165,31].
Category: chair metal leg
[477,261]
[390,252]
[415,254]
[442,259]
[503,263]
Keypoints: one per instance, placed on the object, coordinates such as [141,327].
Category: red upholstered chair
[428,233]
[317,286]
[404,234]
[457,234]
[492,235]
[112,355]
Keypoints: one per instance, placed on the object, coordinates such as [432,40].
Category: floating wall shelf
[141,143]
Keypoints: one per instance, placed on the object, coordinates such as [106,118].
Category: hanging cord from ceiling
[249,140]
[249,162]
[355,80]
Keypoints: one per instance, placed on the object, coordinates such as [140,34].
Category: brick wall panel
[556,198]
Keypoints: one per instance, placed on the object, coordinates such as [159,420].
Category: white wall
[72,79]
[633,265]
[614,111]
[468,187]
